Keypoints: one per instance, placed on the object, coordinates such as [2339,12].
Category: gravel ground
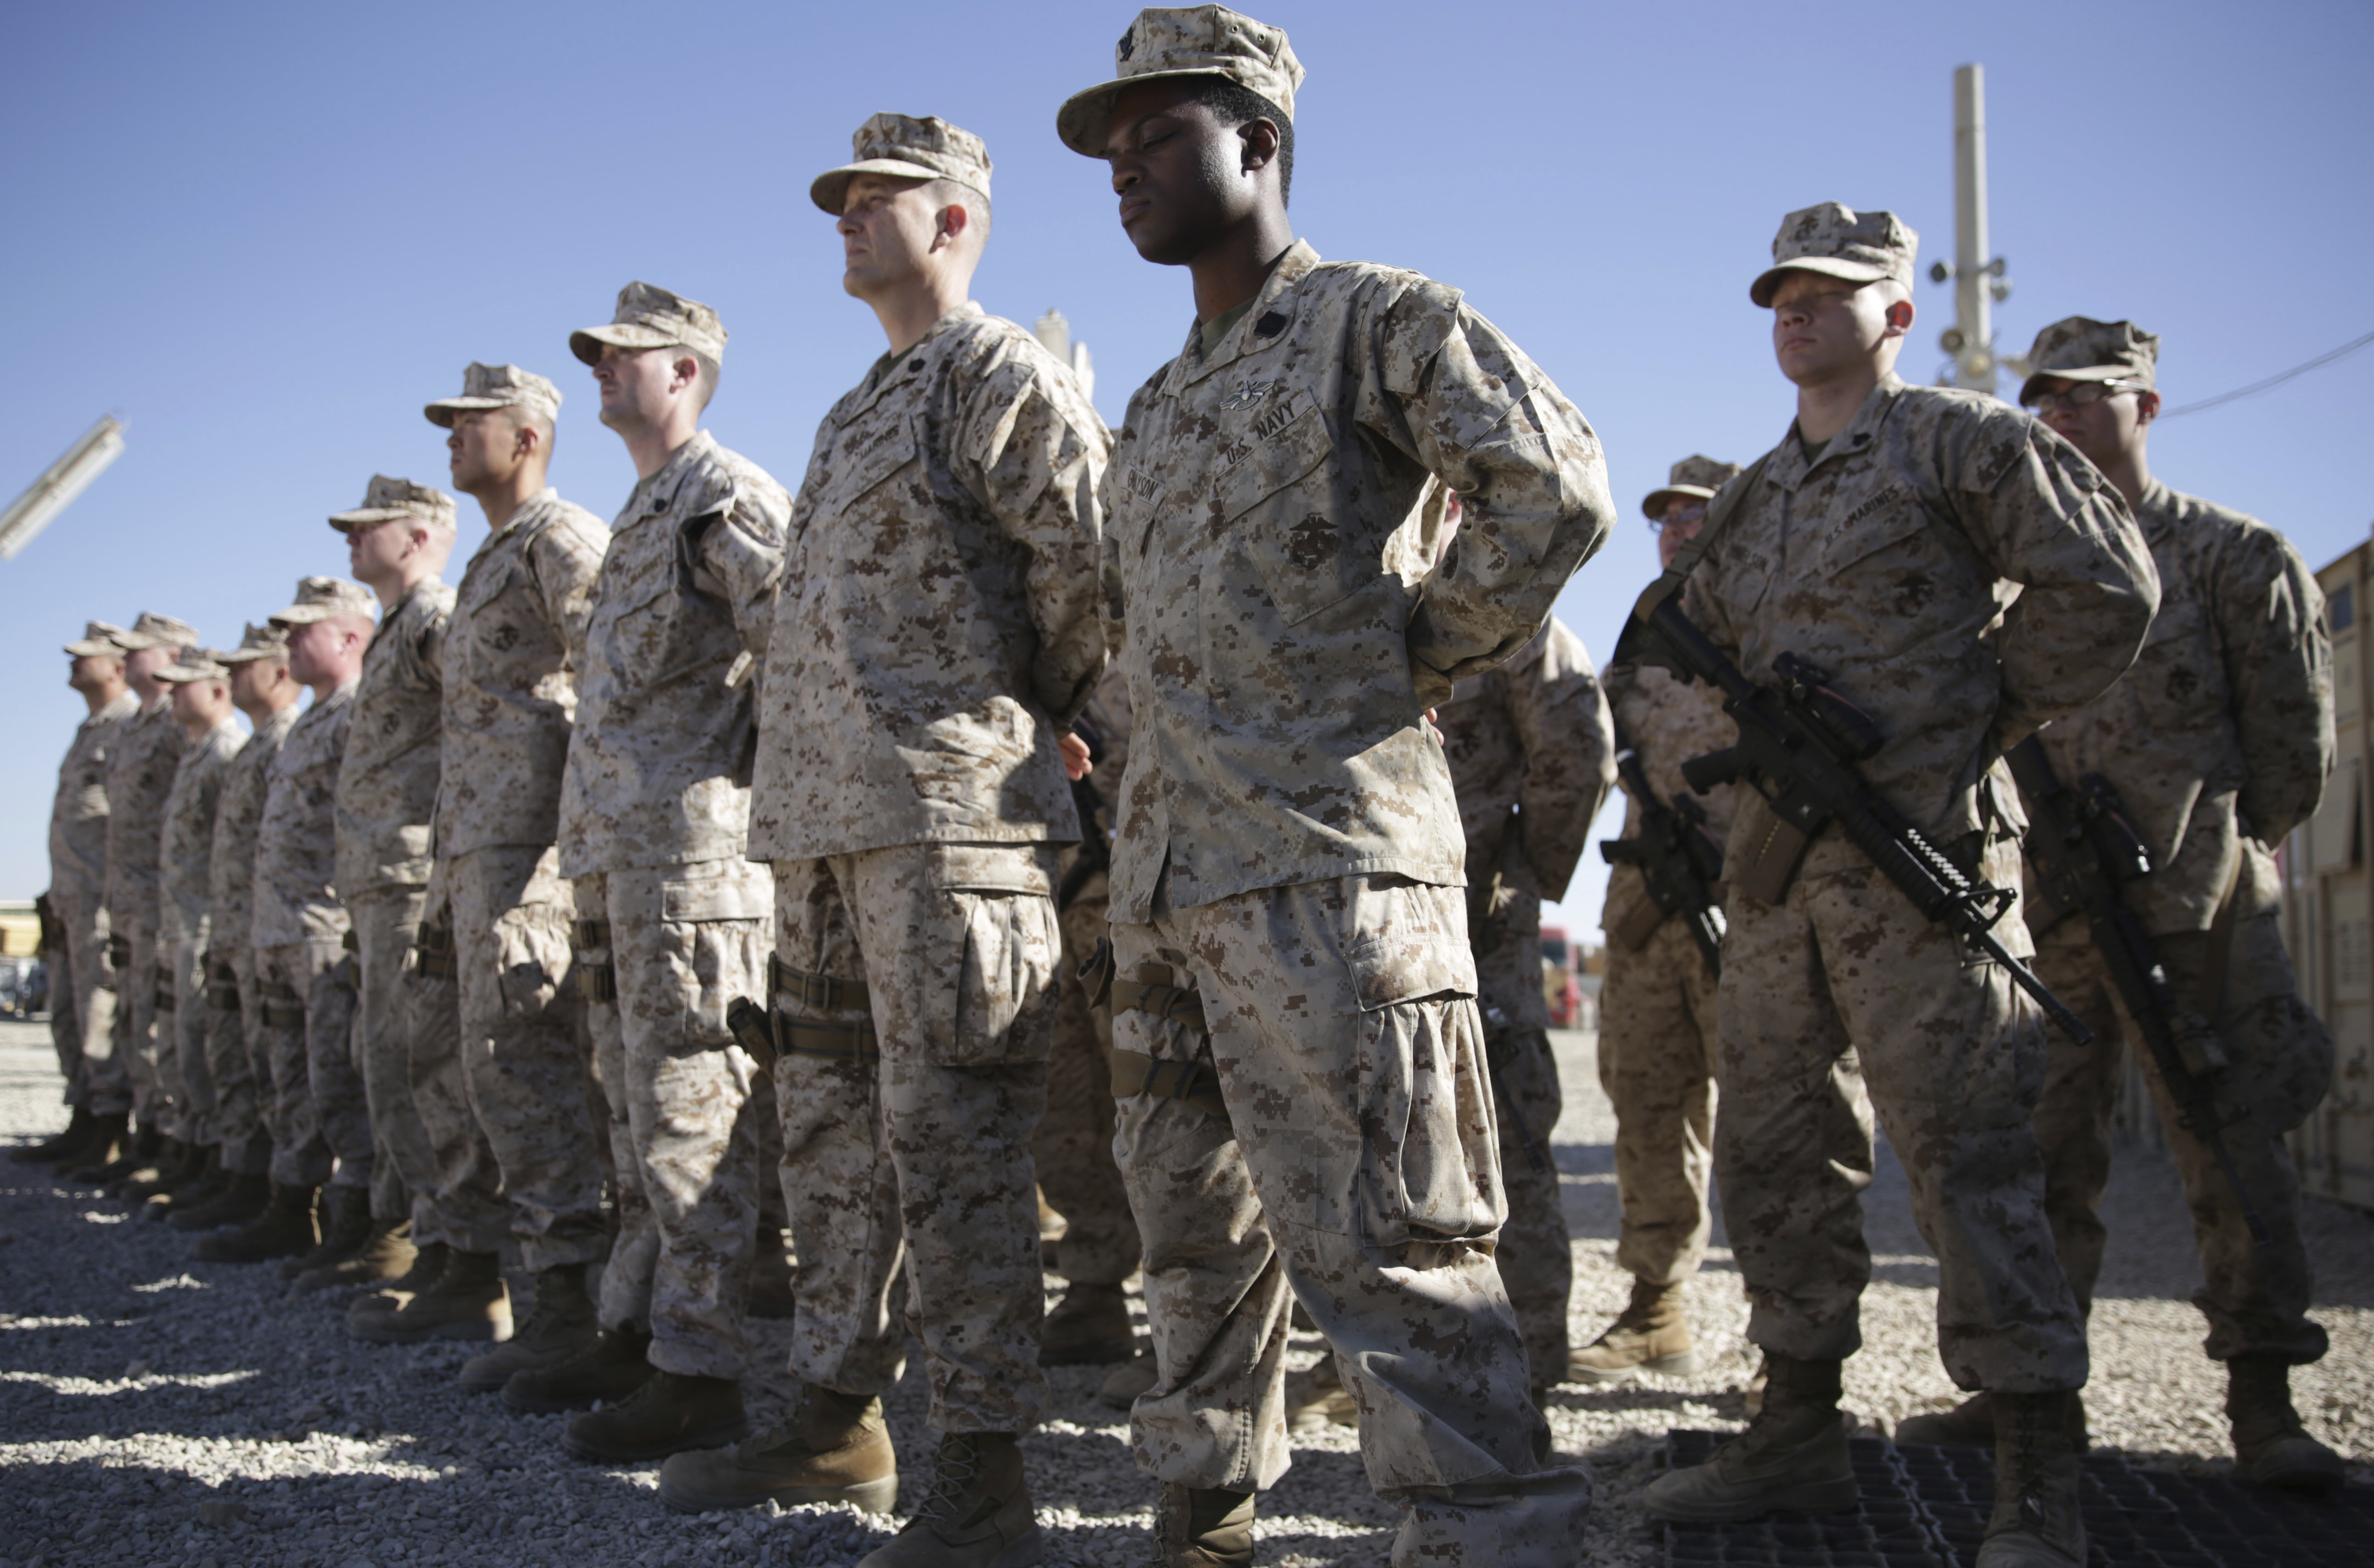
[154,1411]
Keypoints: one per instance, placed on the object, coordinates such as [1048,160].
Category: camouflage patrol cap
[1184,41]
[1692,478]
[267,641]
[386,499]
[650,316]
[97,638]
[905,149]
[325,598]
[2083,349]
[156,631]
[1861,247]
[496,386]
[194,664]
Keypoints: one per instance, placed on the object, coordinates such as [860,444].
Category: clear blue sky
[264,235]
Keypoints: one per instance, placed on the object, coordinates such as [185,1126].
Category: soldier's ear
[2146,408]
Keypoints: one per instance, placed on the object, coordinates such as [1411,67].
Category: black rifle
[1799,743]
[1678,858]
[2083,848]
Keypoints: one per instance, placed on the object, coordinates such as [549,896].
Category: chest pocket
[1872,530]
[880,454]
[2178,673]
[1275,499]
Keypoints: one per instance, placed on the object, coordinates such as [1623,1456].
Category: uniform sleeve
[738,557]
[1034,455]
[1531,480]
[2279,665]
[1560,714]
[2046,520]
[565,563]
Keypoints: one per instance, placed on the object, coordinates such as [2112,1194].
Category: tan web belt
[222,985]
[282,1009]
[432,953]
[815,991]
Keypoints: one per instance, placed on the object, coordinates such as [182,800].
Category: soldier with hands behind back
[1292,974]
[2211,749]
[1881,542]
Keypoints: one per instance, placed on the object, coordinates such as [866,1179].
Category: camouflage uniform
[2218,741]
[1531,759]
[187,861]
[674,922]
[304,978]
[140,765]
[1889,560]
[236,1062]
[78,889]
[911,795]
[1657,1041]
[1074,1146]
[1290,851]
[517,635]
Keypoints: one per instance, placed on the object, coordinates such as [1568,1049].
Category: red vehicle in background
[1561,984]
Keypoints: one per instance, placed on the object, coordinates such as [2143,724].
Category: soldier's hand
[1076,765]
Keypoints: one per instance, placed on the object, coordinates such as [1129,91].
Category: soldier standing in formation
[2218,743]
[1293,973]
[1880,541]
[202,707]
[673,922]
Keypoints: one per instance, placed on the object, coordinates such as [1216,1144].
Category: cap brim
[1086,120]
[441,412]
[304,614]
[137,642]
[1654,506]
[249,655]
[179,677]
[1760,291]
[347,522]
[92,648]
[2034,385]
[586,341]
[830,190]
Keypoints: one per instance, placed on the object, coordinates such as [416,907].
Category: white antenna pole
[1978,277]
[56,490]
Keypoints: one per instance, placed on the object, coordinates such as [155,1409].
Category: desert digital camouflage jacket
[2224,725]
[78,817]
[1961,573]
[1273,518]
[939,623]
[140,764]
[387,783]
[1666,721]
[512,649]
[296,893]
[230,882]
[187,857]
[659,767]
[1532,759]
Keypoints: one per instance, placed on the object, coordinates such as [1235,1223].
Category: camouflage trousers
[90,976]
[1074,1146]
[524,1066]
[182,1030]
[913,1075]
[1951,1056]
[320,1121]
[242,1080]
[65,1024]
[2255,1298]
[682,942]
[386,923]
[1657,1048]
[1535,1255]
[1355,1166]
[127,1074]
[458,1198]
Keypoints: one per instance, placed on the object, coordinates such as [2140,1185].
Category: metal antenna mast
[1979,280]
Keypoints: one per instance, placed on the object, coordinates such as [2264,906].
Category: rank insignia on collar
[1247,393]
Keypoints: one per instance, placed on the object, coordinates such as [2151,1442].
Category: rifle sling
[2221,941]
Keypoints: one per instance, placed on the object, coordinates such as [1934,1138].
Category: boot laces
[958,1465]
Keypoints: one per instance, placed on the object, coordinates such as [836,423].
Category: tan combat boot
[1971,1424]
[1124,1383]
[612,1367]
[386,1254]
[200,1183]
[1088,1328]
[669,1414]
[1316,1398]
[468,1301]
[560,1324]
[1793,1456]
[241,1199]
[1204,1527]
[2035,1524]
[110,1136]
[285,1229]
[427,1266]
[64,1146]
[2271,1447]
[832,1447]
[1650,1335]
[170,1165]
[978,1514]
[345,1225]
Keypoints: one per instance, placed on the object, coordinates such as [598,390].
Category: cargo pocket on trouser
[531,957]
[1428,1170]
[1004,933]
[720,921]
